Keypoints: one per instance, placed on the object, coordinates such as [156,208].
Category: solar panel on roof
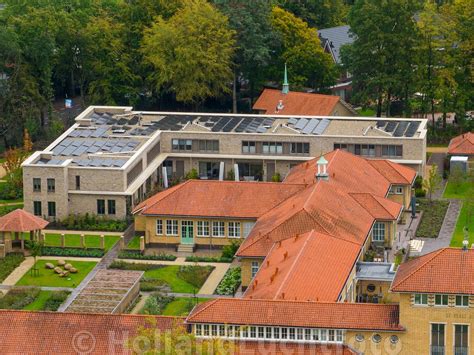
[412,128]
[74,133]
[292,120]
[68,150]
[381,124]
[261,129]
[312,124]
[321,127]
[85,133]
[301,123]
[391,126]
[58,149]
[80,150]
[93,149]
[402,126]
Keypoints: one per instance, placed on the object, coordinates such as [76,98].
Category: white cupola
[322,164]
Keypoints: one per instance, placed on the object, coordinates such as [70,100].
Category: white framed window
[247,227]
[218,229]
[254,268]
[198,329]
[441,300]
[159,227]
[421,299]
[462,301]
[248,147]
[378,234]
[203,229]
[397,190]
[234,229]
[172,227]
[272,148]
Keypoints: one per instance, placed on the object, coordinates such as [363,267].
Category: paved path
[12,204]
[446,231]
[18,273]
[103,264]
[405,232]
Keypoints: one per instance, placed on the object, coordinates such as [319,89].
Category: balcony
[461,350]
[437,350]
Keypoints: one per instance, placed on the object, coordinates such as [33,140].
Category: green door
[187,232]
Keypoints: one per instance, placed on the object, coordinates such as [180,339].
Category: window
[37,208]
[379,232]
[421,299]
[437,338]
[462,301]
[209,145]
[198,329]
[247,226]
[340,146]
[292,333]
[172,227]
[272,148]
[339,335]
[253,332]
[52,209]
[392,151]
[268,332]
[276,333]
[36,184]
[254,268]
[51,185]
[78,182]
[248,147]
[299,148]
[394,339]
[203,229]
[218,229]
[376,338]
[159,227]
[100,207]
[461,338]
[370,288]
[368,150]
[209,170]
[261,332]
[359,337]
[284,333]
[441,300]
[111,206]
[234,229]
[182,144]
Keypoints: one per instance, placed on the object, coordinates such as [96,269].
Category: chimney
[322,173]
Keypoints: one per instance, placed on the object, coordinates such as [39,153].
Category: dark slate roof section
[337,37]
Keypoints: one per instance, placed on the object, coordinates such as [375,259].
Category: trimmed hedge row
[84,253]
[139,256]
[206,259]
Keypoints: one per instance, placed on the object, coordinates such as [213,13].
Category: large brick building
[112,157]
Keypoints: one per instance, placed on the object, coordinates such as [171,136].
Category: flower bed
[76,252]
[138,256]
[230,282]
[10,263]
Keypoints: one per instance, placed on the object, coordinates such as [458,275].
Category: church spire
[286,86]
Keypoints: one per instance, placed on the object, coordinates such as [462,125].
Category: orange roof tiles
[21,221]
[393,172]
[363,316]
[296,103]
[379,207]
[462,144]
[69,333]
[448,270]
[218,199]
[296,269]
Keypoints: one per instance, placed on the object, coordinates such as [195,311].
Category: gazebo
[13,227]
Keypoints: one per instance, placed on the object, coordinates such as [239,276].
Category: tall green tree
[191,52]
[308,64]
[382,58]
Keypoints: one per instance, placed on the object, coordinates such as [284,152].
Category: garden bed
[72,252]
[33,299]
[160,304]
[230,282]
[10,263]
[136,255]
[433,217]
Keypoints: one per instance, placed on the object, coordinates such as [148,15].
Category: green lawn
[168,274]
[467,187]
[74,240]
[466,218]
[40,301]
[134,243]
[181,306]
[366,112]
[50,278]
[18,201]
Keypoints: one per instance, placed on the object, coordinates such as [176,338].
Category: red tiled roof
[218,199]
[21,221]
[70,333]
[296,103]
[393,172]
[283,348]
[462,144]
[379,207]
[448,270]
[296,269]
[363,316]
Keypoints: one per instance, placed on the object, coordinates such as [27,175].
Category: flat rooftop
[110,136]
[375,271]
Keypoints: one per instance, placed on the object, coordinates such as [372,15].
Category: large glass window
[421,299]
[52,209]
[209,170]
[218,229]
[234,229]
[249,147]
[159,227]
[248,228]
[441,300]
[51,183]
[100,207]
[111,209]
[250,171]
[182,144]
[392,150]
[36,184]
[209,145]
[299,148]
[272,148]
[203,229]
[462,301]
[461,338]
[37,208]
[368,150]
[379,232]
[172,227]
[437,339]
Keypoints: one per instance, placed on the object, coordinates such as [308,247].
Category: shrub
[9,191]
[55,301]
[136,255]
[230,282]
[192,174]
[207,259]
[149,285]
[18,298]
[91,222]
[10,263]
[77,252]
[418,182]
[7,209]
[228,251]
[156,303]
[123,265]
[420,192]
[276,177]
[194,275]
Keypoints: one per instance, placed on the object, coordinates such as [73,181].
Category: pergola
[13,226]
